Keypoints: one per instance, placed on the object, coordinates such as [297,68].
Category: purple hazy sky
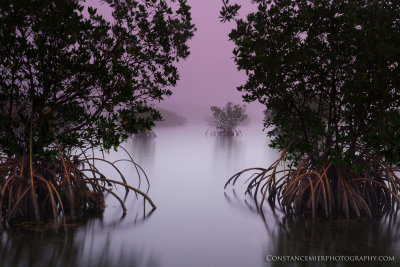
[208,76]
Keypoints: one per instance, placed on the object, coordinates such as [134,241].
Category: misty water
[197,222]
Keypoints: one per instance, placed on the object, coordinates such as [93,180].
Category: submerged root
[329,189]
[214,131]
[67,185]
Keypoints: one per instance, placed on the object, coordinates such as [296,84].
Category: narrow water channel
[196,223]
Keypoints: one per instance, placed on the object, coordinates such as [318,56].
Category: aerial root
[328,189]
[65,186]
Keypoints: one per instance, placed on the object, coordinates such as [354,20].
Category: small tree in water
[328,73]
[227,119]
[72,81]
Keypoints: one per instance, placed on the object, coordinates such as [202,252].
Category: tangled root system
[68,185]
[329,190]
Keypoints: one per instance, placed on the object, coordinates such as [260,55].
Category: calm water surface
[196,223]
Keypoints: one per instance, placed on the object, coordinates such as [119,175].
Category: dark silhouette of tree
[328,73]
[91,79]
[227,119]
[72,79]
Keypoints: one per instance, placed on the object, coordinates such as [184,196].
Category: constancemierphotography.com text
[305,258]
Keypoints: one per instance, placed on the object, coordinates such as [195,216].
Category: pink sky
[209,76]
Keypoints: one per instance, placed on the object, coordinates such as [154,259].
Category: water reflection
[33,245]
[335,238]
[228,150]
[293,236]
[143,148]
[194,225]
[246,204]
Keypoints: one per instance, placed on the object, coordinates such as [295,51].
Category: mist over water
[197,222]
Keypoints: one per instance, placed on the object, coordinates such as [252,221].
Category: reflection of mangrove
[297,237]
[143,146]
[146,133]
[245,205]
[227,151]
[32,245]
[227,143]
[215,131]
[291,235]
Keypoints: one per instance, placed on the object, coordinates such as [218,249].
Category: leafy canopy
[327,72]
[64,65]
[229,117]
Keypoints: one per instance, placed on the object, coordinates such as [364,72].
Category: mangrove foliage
[328,74]
[73,80]
[227,119]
